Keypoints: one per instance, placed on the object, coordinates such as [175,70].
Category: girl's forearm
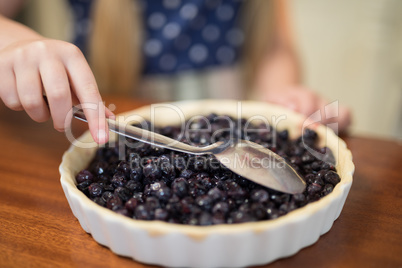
[11,31]
[10,8]
[279,69]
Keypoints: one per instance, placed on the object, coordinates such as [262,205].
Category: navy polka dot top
[179,34]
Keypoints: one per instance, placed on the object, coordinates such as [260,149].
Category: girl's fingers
[59,69]
[85,88]
[58,92]
[29,87]
[307,101]
[345,118]
[8,89]
[109,113]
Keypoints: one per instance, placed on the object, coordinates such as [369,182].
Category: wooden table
[37,227]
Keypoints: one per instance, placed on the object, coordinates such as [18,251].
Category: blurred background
[350,51]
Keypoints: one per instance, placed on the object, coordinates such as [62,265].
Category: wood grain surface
[38,229]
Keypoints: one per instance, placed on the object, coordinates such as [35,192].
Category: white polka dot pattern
[156,20]
[170,4]
[179,34]
[171,30]
[188,11]
[198,53]
[153,47]
[211,33]
[224,12]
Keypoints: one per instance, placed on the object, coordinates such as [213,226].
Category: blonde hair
[115,43]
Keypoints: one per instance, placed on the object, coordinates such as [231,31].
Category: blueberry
[187,173]
[205,219]
[309,178]
[95,190]
[167,169]
[221,208]
[235,191]
[152,172]
[154,187]
[332,178]
[161,214]
[158,184]
[132,203]
[259,196]
[84,176]
[124,168]
[307,158]
[134,186]
[98,200]
[279,198]
[199,163]
[299,198]
[106,196]
[163,194]
[108,187]
[180,187]
[258,210]
[187,205]
[313,189]
[218,219]
[83,186]
[100,167]
[207,182]
[316,166]
[296,160]
[142,212]
[285,208]
[272,213]
[114,202]
[204,202]
[123,193]
[179,163]
[241,217]
[283,135]
[310,134]
[321,174]
[216,194]
[118,180]
[174,209]
[139,196]
[318,180]
[136,174]
[328,188]
[123,211]
[193,220]
[152,203]
[196,190]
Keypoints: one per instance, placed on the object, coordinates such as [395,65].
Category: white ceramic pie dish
[235,245]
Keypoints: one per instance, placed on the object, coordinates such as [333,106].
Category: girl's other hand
[307,102]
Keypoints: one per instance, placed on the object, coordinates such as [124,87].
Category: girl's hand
[31,68]
[307,102]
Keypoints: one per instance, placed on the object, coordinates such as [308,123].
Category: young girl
[159,50]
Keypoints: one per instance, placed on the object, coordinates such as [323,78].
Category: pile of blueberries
[145,182]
